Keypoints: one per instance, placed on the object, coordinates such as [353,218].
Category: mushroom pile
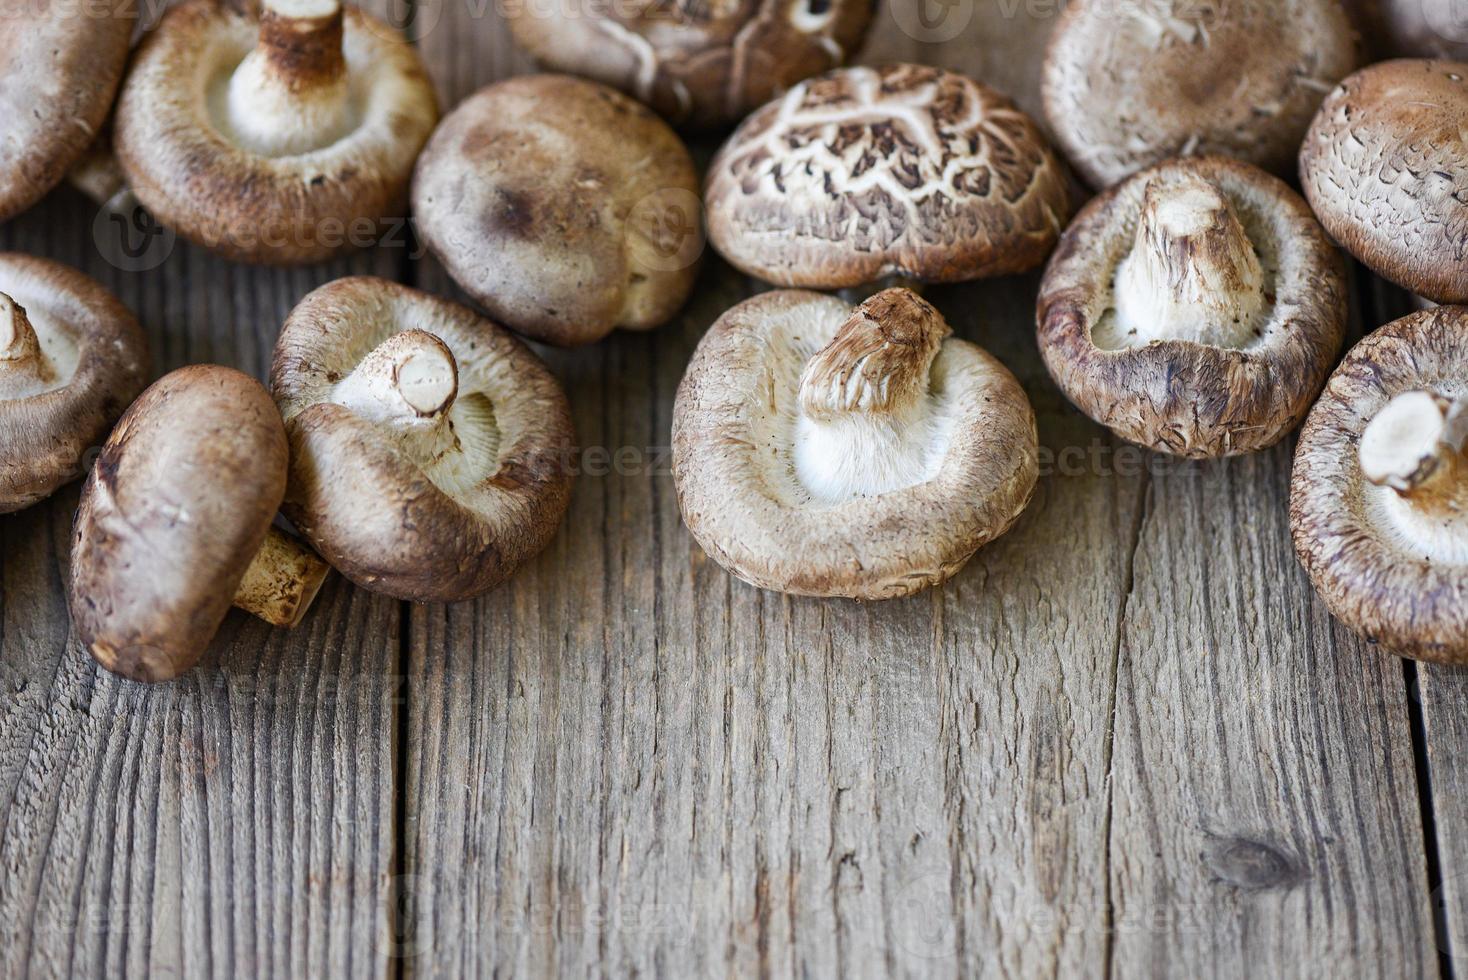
[821,446]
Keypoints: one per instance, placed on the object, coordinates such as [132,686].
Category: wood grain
[238,821]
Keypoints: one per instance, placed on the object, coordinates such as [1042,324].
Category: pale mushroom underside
[737,426]
[1371,577]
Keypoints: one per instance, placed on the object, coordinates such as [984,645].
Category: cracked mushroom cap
[901,170]
[706,64]
[430,449]
[1194,309]
[61,63]
[563,207]
[1379,494]
[72,357]
[283,133]
[830,451]
[1386,169]
[175,511]
[1127,85]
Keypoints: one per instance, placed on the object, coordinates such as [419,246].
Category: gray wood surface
[1125,740]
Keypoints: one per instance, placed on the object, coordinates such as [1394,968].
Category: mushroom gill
[1412,455]
[292,93]
[867,421]
[409,386]
[1192,274]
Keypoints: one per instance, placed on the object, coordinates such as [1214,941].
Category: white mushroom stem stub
[1192,273]
[409,381]
[21,362]
[1413,454]
[867,422]
[291,94]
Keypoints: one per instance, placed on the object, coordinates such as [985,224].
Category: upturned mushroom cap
[61,63]
[563,207]
[431,451]
[1385,167]
[1127,85]
[902,170]
[706,64]
[284,133]
[1379,495]
[821,450]
[1194,309]
[171,518]
[72,357]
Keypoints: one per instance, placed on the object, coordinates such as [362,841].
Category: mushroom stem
[20,348]
[282,581]
[865,415]
[291,94]
[1192,273]
[410,380]
[1414,450]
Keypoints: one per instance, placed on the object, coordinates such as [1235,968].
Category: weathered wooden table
[1126,739]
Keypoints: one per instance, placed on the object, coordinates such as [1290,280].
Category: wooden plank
[1265,818]
[238,821]
[627,761]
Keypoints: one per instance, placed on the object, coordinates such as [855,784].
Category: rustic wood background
[1126,739]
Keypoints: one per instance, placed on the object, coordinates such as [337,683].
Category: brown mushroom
[563,207]
[830,451]
[284,135]
[707,64]
[1195,308]
[430,450]
[61,63]
[1414,28]
[1386,168]
[903,170]
[72,357]
[175,525]
[1379,494]
[1127,85]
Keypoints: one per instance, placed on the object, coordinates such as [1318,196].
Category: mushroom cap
[902,170]
[1385,167]
[563,207]
[702,64]
[1128,85]
[97,360]
[392,516]
[187,164]
[1416,28]
[61,63]
[173,513]
[1181,396]
[1412,606]
[735,423]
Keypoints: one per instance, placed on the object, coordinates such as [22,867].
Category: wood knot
[1252,865]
